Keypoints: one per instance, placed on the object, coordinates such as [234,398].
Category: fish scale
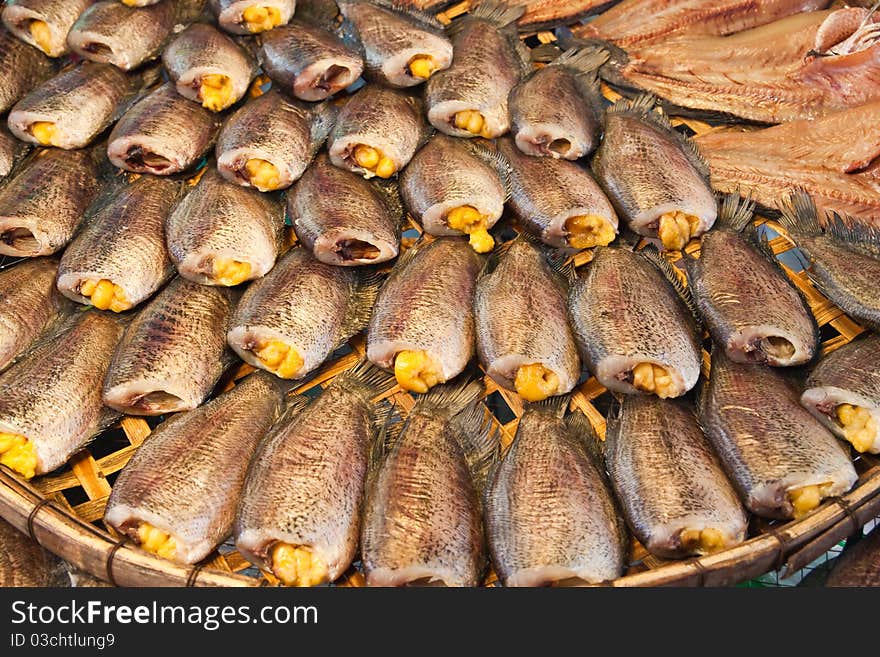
[23,563]
[22,67]
[57,15]
[27,303]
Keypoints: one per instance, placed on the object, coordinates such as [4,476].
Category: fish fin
[323,120]
[735,212]
[798,214]
[322,13]
[479,439]
[642,107]
[452,397]
[562,265]
[383,442]
[360,307]
[585,60]
[498,12]
[293,406]
[581,430]
[187,11]
[383,411]
[553,405]
[856,234]
[389,192]
[486,151]
[652,255]
[368,377]
[545,53]
[418,17]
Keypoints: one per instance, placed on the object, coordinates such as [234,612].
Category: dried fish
[24,563]
[545,14]
[252,16]
[22,68]
[44,24]
[27,304]
[859,565]
[11,151]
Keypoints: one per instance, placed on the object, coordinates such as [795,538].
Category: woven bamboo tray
[63,510]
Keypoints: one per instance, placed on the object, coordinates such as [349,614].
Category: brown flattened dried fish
[423,322]
[43,203]
[299,516]
[377,132]
[119,258]
[173,352]
[554,111]
[224,234]
[344,219]
[22,68]
[50,399]
[208,67]
[843,392]
[402,47]
[44,24]
[269,141]
[546,14]
[23,563]
[308,61]
[177,496]
[748,303]
[470,97]
[859,565]
[422,512]
[781,460]
[634,326]
[654,176]
[523,338]
[540,532]
[291,320]
[675,496]
[558,201]
[451,188]
[252,16]
[27,303]
[71,109]
[11,151]
[162,134]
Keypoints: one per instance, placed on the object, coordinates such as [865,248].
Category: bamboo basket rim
[40,510]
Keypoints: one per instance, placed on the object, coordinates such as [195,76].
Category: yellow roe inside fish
[259,19]
[473,122]
[41,35]
[587,231]
[18,454]
[374,161]
[298,566]
[705,541]
[216,92]
[469,221]
[45,132]
[535,382]
[229,272]
[859,427]
[649,377]
[416,371]
[279,358]
[422,66]
[105,295]
[807,498]
[263,175]
[154,540]
[676,229]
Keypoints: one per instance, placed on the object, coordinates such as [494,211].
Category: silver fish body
[558,201]
[304,489]
[162,134]
[111,33]
[22,67]
[552,111]
[781,460]
[486,67]
[630,323]
[201,59]
[232,15]
[186,479]
[51,397]
[384,122]
[23,563]
[393,39]
[848,376]
[342,218]
[11,151]
[44,24]
[43,203]
[444,175]
[540,532]
[224,234]
[71,109]
[749,305]
[123,243]
[653,176]
[523,337]
[291,320]
[425,312]
[309,62]
[674,494]
[173,352]
[273,130]
[27,304]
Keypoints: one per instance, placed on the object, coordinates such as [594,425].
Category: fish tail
[554,405]
[735,212]
[452,397]
[487,152]
[580,428]
[676,280]
[366,376]
[324,118]
[585,60]
[363,298]
[389,192]
[479,439]
[798,213]
[498,12]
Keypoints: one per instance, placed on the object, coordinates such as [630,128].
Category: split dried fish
[423,321]
[177,496]
[44,24]
[22,68]
[27,304]
[292,320]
